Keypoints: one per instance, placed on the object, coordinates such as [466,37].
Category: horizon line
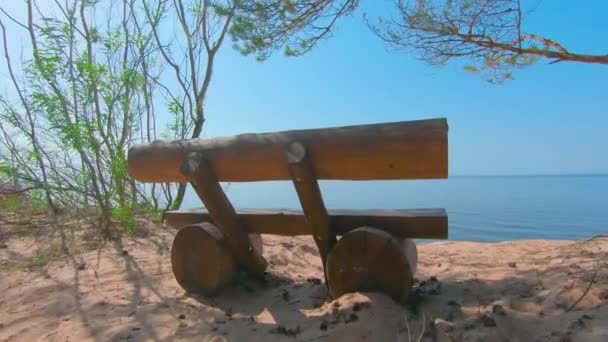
[582,174]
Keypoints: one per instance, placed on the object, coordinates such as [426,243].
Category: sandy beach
[63,285]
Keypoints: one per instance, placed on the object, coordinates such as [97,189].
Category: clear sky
[550,119]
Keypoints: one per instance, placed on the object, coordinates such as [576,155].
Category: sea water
[480,208]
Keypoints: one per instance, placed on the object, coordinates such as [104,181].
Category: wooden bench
[375,251]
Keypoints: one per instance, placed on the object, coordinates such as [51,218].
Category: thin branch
[22,25]
[584,293]
[487,31]
[4,191]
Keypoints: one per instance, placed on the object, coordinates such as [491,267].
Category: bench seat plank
[406,223]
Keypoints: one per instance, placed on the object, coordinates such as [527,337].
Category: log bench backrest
[399,150]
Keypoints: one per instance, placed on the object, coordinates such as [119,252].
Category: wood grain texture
[206,185]
[201,260]
[399,150]
[409,223]
[370,260]
[309,194]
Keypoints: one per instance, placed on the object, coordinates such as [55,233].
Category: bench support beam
[305,182]
[203,179]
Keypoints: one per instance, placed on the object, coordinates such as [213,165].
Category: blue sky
[550,119]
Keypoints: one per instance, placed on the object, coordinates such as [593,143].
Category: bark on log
[399,150]
[201,260]
[307,188]
[205,183]
[371,260]
[408,223]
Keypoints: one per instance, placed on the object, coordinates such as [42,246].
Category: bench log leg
[369,259]
[205,182]
[307,188]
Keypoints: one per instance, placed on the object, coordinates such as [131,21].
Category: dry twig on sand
[584,293]
[407,328]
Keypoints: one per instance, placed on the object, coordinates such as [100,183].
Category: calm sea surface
[495,208]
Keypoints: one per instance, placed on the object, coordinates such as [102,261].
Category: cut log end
[296,152]
[191,163]
[201,260]
[371,260]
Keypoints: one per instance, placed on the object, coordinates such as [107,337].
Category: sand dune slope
[514,291]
